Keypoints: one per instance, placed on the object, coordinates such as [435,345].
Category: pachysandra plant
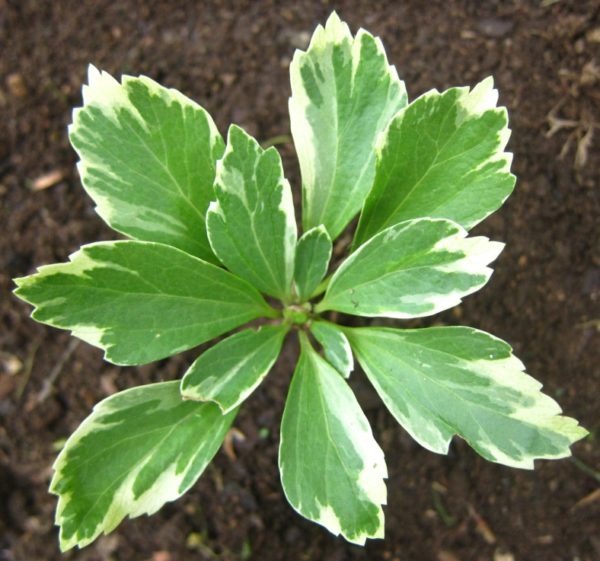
[212,233]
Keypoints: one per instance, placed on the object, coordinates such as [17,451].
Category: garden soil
[233,58]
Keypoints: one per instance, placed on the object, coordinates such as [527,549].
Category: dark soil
[233,58]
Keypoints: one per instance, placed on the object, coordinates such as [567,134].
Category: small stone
[546,539]
[16,85]
[48,180]
[579,46]
[445,555]
[500,555]
[590,74]
[11,364]
[457,312]
[228,78]
[593,35]
[107,383]
[495,27]
[299,39]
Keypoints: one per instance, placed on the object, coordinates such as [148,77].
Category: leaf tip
[19,282]
[235,131]
[101,88]
[93,73]
[333,21]
[65,545]
[483,96]
[335,29]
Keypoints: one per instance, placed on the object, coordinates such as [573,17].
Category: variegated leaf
[139,449]
[441,157]
[251,226]
[335,346]
[140,301]
[313,253]
[445,381]
[344,93]
[413,269]
[231,370]
[332,470]
[148,157]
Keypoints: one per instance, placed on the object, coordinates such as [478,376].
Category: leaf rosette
[213,244]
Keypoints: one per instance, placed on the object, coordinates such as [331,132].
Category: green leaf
[231,370]
[443,157]
[251,227]
[313,253]
[140,301]
[138,450]
[443,381]
[344,93]
[335,346]
[332,470]
[413,269]
[148,157]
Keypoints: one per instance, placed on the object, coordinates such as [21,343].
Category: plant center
[297,314]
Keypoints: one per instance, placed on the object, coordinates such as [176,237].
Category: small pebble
[16,85]
[495,27]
